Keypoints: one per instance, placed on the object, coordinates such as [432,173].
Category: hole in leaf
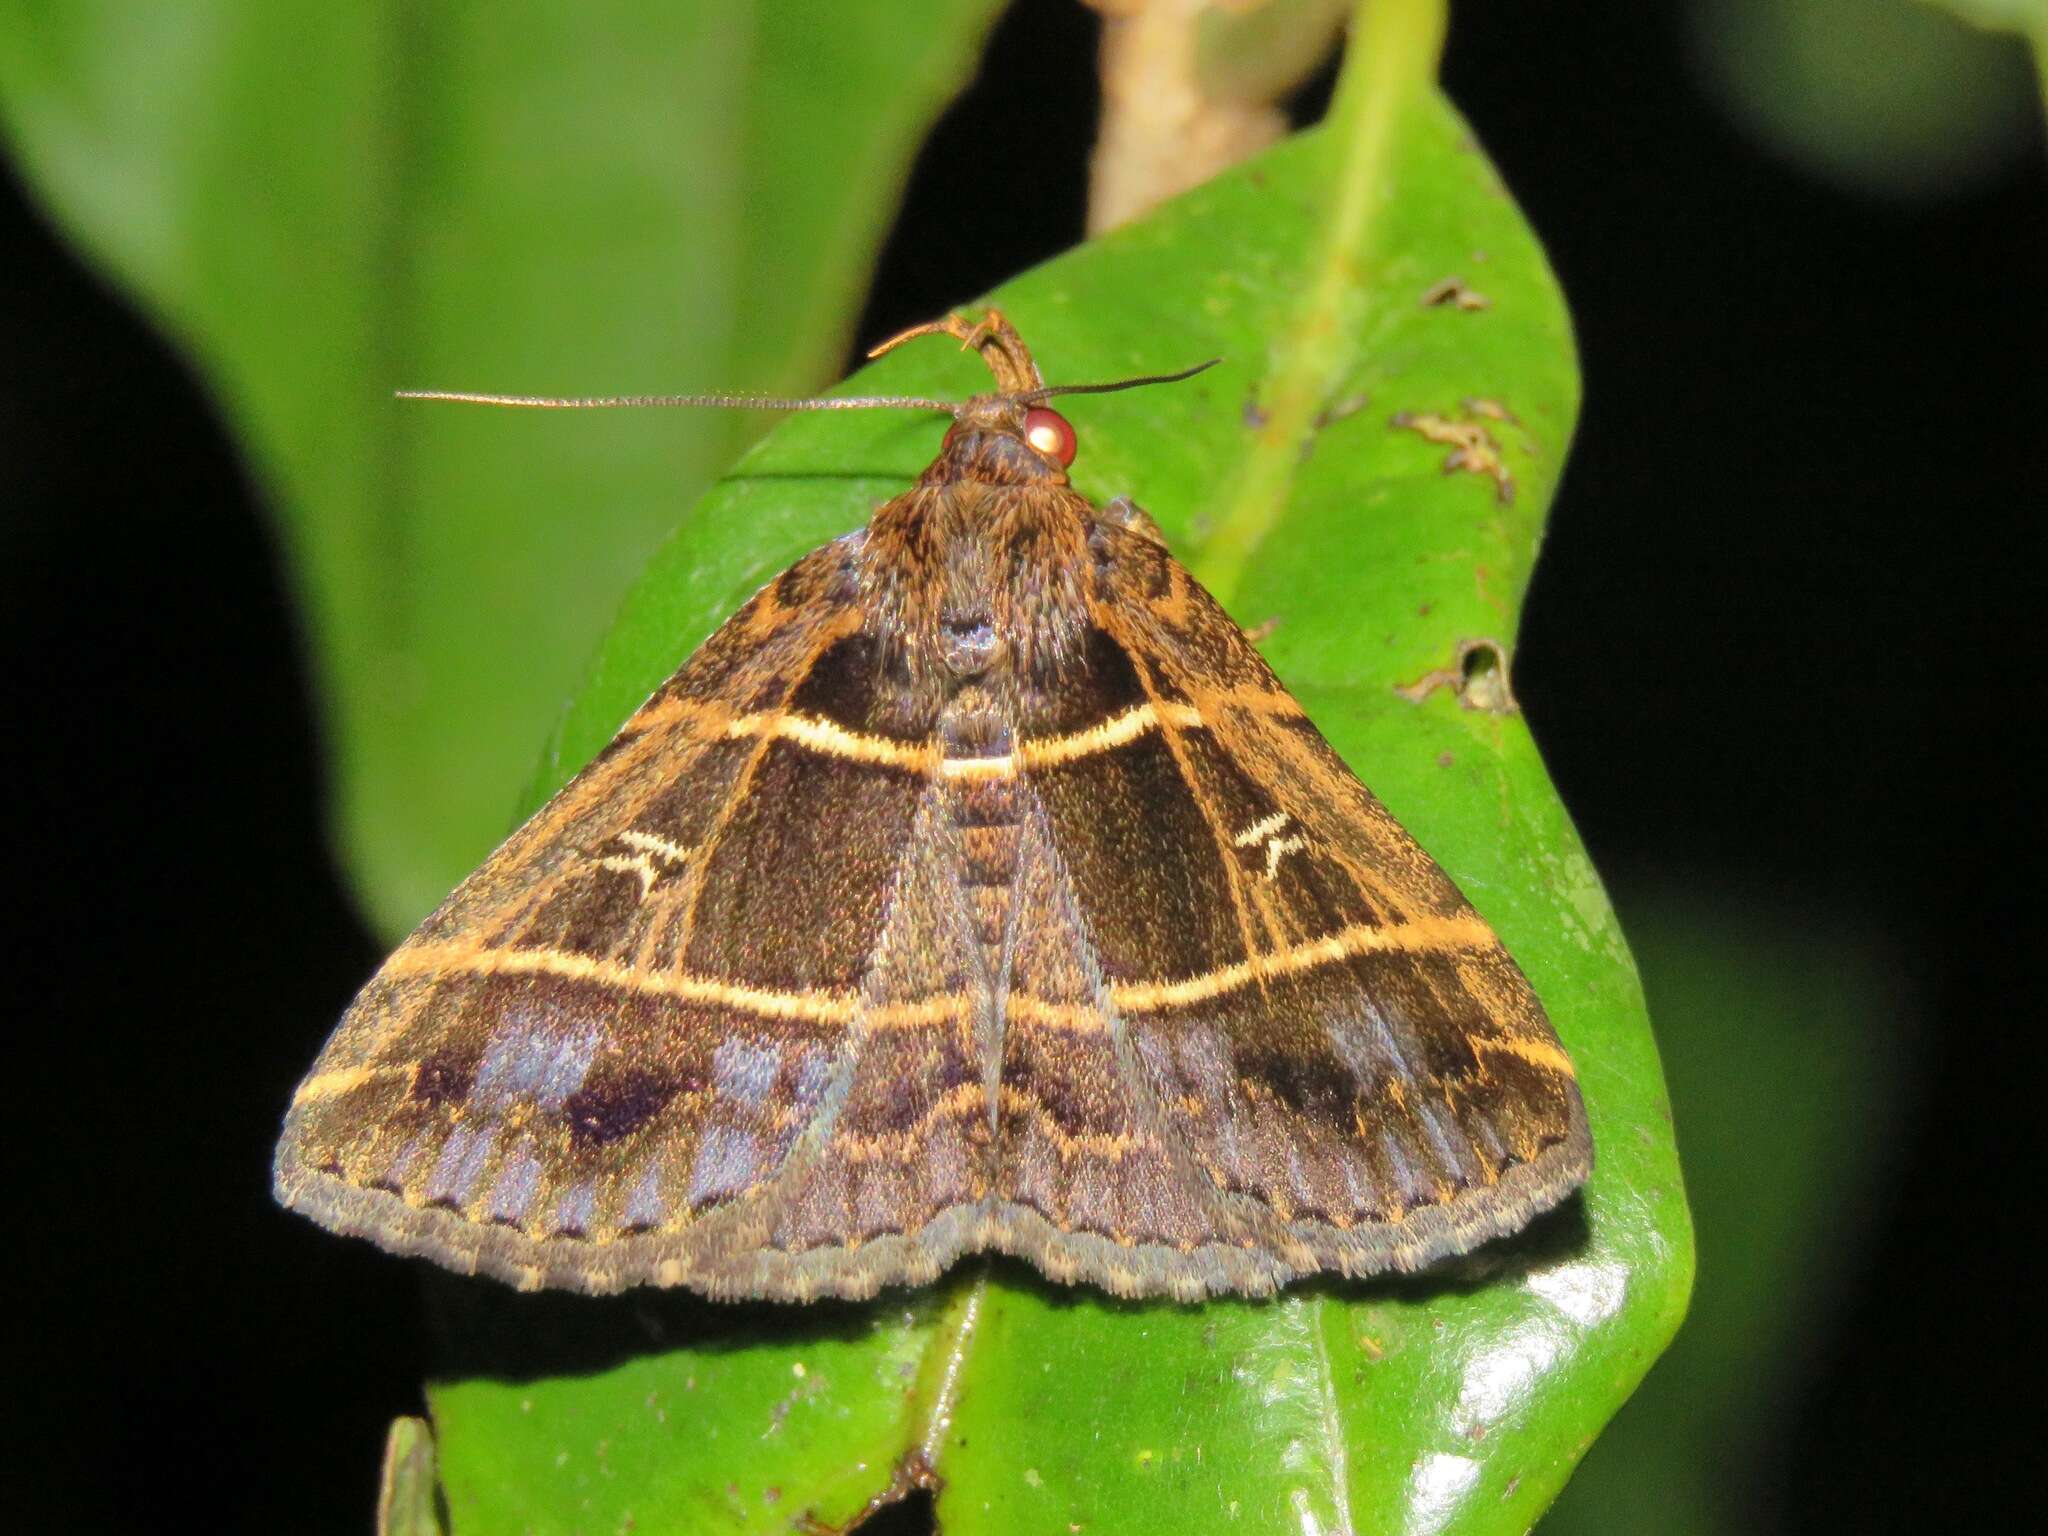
[1480,658]
[1483,674]
[912,1515]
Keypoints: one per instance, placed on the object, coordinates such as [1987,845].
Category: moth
[976,886]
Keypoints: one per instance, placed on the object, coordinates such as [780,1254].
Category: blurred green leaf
[327,203]
[1782,1032]
[2029,18]
[1891,97]
[1298,474]
[1258,53]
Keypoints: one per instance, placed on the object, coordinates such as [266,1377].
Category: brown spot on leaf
[1337,410]
[1453,291]
[1473,448]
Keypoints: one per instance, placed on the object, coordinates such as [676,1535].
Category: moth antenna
[736,402]
[1034,396]
[996,339]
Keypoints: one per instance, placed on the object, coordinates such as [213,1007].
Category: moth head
[1005,440]
[1012,434]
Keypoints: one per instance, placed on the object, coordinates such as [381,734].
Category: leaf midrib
[1392,56]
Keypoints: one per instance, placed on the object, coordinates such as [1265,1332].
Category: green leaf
[1455,1403]
[1786,1121]
[2029,18]
[327,203]
[1891,97]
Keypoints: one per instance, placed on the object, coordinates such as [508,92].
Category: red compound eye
[1049,433]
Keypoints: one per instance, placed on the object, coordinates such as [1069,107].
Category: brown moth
[976,886]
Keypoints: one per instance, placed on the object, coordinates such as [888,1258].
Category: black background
[1782,640]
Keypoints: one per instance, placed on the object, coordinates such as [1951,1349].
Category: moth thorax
[971,580]
[968,643]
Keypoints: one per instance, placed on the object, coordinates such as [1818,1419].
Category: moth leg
[1125,513]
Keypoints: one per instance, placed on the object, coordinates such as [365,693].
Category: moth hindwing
[976,886]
